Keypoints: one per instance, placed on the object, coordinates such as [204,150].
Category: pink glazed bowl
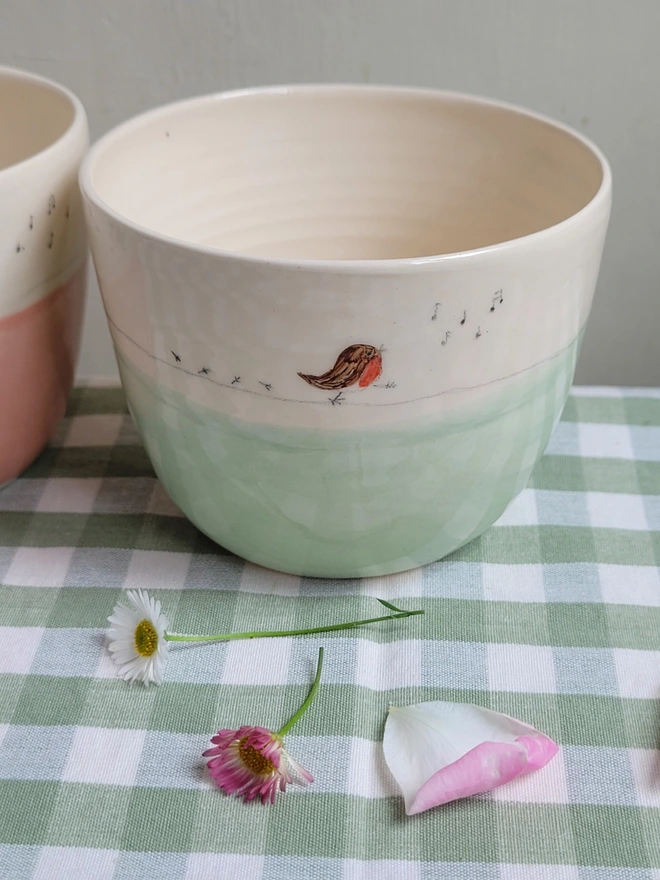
[43,261]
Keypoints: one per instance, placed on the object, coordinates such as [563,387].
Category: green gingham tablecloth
[552,616]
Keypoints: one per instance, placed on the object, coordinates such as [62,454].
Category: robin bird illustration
[357,363]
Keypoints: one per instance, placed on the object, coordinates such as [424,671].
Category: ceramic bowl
[43,258]
[346,318]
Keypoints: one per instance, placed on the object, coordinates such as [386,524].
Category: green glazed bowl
[346,318]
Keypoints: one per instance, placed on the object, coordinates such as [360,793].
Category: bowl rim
[77,125]
[600,199]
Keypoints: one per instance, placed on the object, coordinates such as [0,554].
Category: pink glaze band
[38,350]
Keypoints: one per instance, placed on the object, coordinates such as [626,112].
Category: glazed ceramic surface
[42,261]
[346,318]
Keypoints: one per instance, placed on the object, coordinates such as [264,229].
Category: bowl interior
[33,115]
[344,173]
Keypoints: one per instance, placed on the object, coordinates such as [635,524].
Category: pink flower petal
[540,749]
[483,768]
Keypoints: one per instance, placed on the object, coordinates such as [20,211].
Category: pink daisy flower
[251,762]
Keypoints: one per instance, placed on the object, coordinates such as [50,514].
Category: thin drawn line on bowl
[232,387]
[72,266]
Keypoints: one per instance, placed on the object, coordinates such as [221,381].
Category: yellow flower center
[254,760]
[146,638]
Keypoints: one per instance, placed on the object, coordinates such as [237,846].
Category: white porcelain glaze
[249,240]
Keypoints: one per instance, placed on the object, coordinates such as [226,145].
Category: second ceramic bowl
[43,261]
[346,318]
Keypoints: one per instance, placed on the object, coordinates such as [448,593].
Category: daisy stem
[261,634]
[308,701]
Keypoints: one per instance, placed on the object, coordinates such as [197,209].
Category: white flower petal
[122,657]
[119,642]
[135,596]
[123,620]
[300,776]
[122,644]
[132,665]
[124,610]
[421,740]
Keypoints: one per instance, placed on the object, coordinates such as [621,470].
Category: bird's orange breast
[372,371]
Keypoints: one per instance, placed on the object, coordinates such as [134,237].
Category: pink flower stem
[308,701]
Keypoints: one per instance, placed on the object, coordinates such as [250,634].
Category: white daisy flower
[137,639]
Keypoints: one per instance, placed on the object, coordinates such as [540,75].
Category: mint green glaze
[350,504]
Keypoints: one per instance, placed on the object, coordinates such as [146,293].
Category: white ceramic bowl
[346,318]
[43,259]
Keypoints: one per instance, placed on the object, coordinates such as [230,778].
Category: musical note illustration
[498,299]
[447,335]
[464,318]
[434,316]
